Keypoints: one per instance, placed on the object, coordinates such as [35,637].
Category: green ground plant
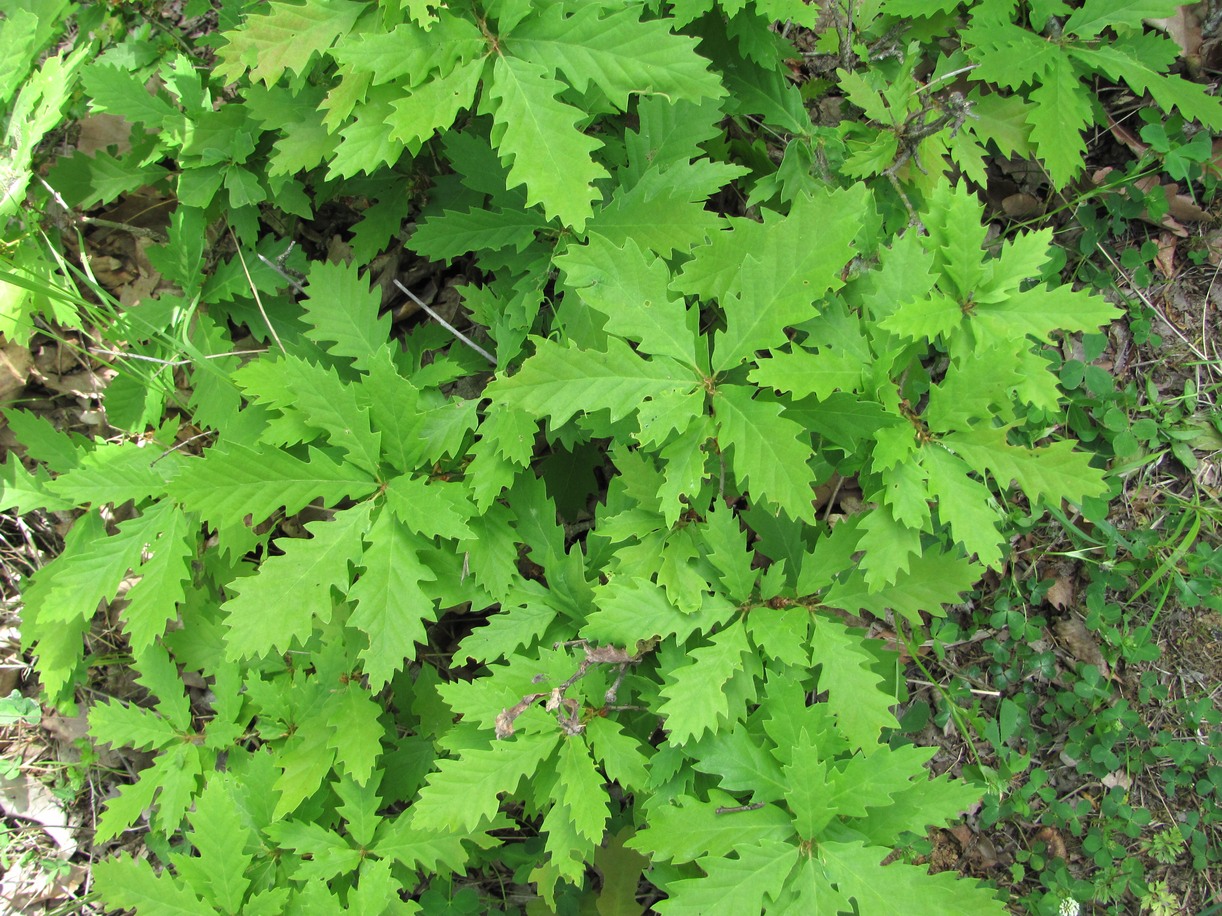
[562,605]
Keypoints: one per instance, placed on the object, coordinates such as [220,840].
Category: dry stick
[831,500]
[255,291]
[297,287]
[182,444]
[944,77]
[735,809]
[1167,321]
[98,351]
[445,324]
[983,693]
[82,220]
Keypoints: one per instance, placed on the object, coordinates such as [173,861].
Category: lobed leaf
[617,52]
[538,137]
[285,38]
[462,794]
[733,886]
[693,695]
[278,606]
[342,313]
[770,451]
[858,872]
[559,381]
[796,261]
[234,482]
[391,602]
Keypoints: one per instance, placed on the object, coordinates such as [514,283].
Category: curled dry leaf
[27,888]
[1053,842]
[58,370]
[1127,137]
[28,799]
[1165,259]
[1061,593]
[1022,205]
[103,131]
[1213,247]
[1079,642]
[15,363]
[1208,476]
[986,855]
[963,834]
[1181,208]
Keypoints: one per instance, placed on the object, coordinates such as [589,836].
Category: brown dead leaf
[1021,205]
[1127,137]
[66,728]
[1079,642]
[58,369]
[984,853]
[15,363]
[1184,208]
[339,251]
[1208,476]
[102,131]
[1181,208]
[1119,779]
[962,833]
[1213,247]
[1165,259]
[1061,593]
[1053,842]
[140,288]
[1215,163]
[27,887]
[1184,28]
[26,798]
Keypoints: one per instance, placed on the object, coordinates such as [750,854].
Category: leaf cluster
[600,589]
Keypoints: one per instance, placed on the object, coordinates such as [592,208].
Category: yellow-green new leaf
[932,581]
[966,505]
[1049,474]
[427,109]
[855,690]
[616,52]
[694,695]
[342,312]
[132,883]
[285,38]
[631,289]
[220,837]
[356,733]
[580,789]
[233,482]
[688,829]
[1060,112]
